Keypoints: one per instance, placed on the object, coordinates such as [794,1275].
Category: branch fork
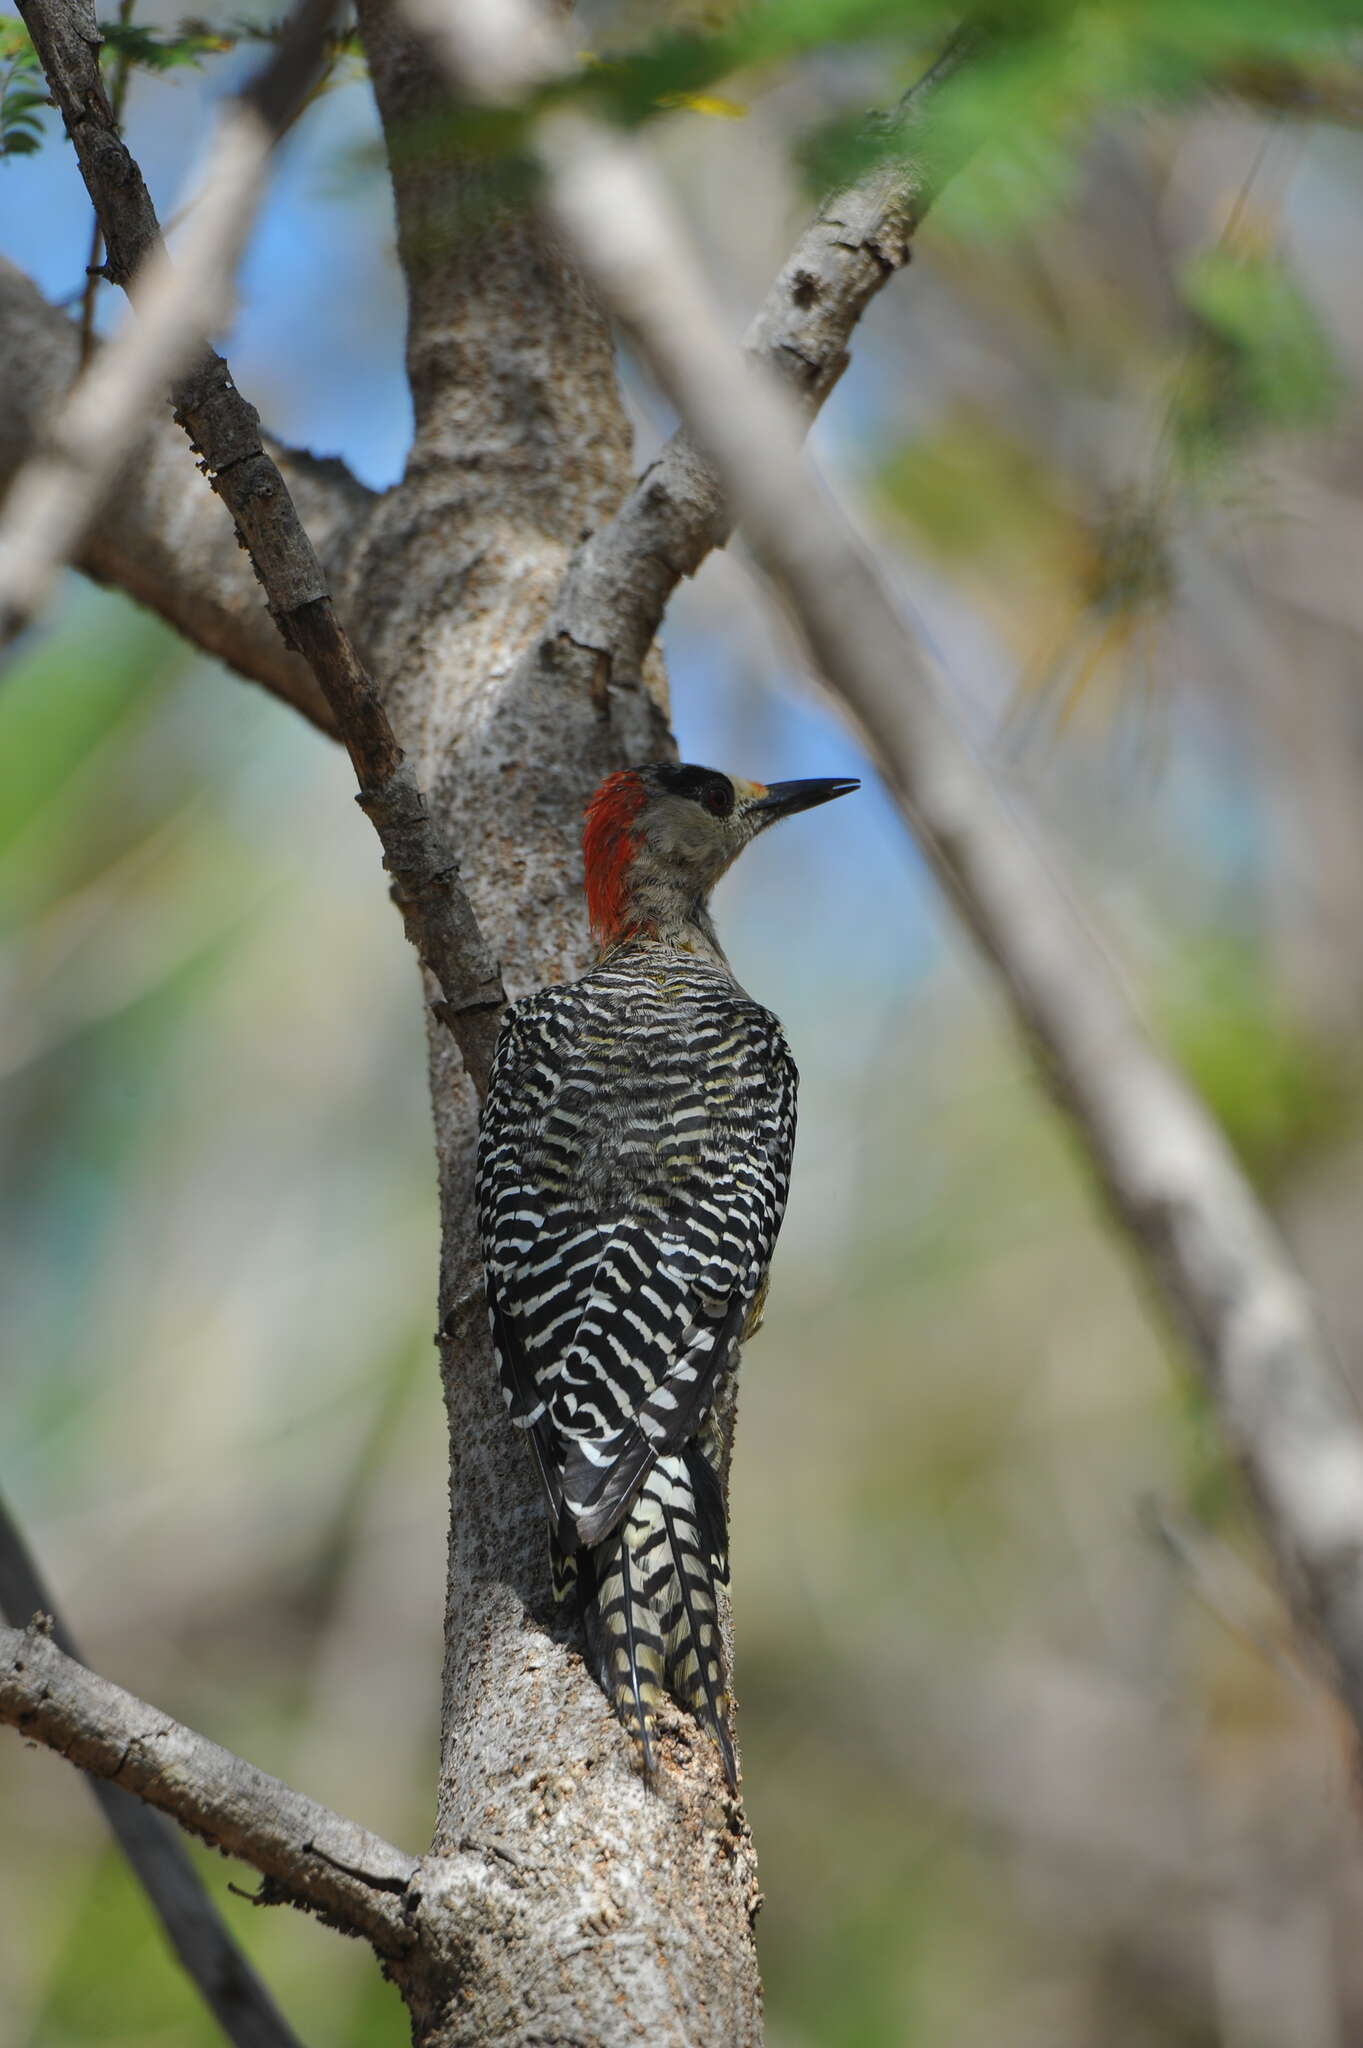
[308,1854]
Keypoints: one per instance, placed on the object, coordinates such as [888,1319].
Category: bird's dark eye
[704,786]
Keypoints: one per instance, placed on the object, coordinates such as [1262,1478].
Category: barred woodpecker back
[633,1166]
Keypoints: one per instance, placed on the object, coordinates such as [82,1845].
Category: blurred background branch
[53,500]
[1318,92]
[216,1966]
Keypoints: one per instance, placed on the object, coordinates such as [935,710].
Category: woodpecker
[633,1165]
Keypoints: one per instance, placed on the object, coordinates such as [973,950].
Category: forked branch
[308,1855]
[618,585]
[177,1894]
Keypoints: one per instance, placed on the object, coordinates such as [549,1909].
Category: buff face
[683,832]
[659,838]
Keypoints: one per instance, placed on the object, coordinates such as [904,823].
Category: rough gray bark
[522,447]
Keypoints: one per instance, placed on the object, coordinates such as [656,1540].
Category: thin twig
[55,496]
[308,1855]
[223,1976]
[1326,91]
[1191,1218]
[94,268]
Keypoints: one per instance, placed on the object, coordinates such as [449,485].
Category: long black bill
[784,799]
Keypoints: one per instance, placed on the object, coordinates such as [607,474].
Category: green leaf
[23,91]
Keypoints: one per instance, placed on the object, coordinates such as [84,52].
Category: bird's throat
[668,917]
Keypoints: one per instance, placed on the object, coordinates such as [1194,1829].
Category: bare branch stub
[224,429]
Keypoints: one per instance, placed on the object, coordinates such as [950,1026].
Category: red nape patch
[608,847]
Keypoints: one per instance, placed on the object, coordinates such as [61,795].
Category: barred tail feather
[650,1606]
[562,1570]
[622,1631]
[695,1670]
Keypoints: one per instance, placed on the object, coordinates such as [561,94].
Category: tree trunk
[608,1913]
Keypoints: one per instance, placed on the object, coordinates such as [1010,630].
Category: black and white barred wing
[525,1254]
[624,1258]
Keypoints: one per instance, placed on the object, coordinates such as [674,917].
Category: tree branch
[1191,1217]
[52,500]
[307,1854]
[174,305]
[161,537]
[223,1976]
[618,586]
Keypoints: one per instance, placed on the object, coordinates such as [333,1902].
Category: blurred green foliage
[1267,362]
[968,489]
[23,91]
[1042,72]
[1280,1091]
